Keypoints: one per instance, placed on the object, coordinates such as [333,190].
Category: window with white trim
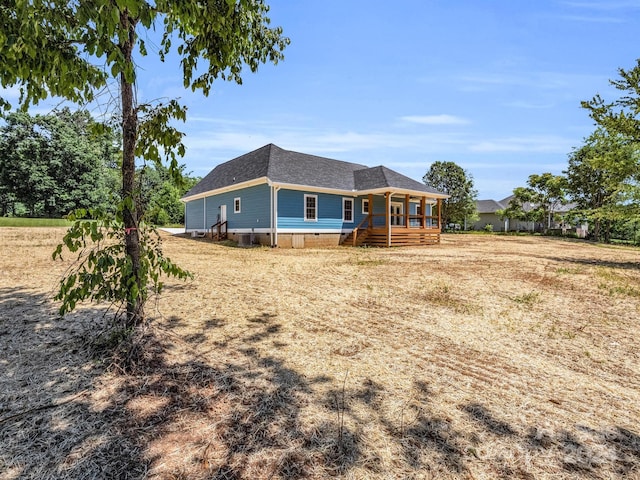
[236,205]
[365,206]
[347,210]
[310,208]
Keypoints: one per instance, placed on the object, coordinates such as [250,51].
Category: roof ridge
[270,154]
[384,173]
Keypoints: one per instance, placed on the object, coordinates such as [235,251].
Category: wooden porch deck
[397,229]
[398,237]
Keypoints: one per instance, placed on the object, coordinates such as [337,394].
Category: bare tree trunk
[135,312]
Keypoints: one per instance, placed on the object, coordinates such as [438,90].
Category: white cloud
[532,80]
[591,19]
[605,5]
[443,119]
[592,11]
[538,144]
[217,136]
[316,141]
[528,105]
[244,142]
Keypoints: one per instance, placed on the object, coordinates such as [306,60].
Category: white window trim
[239,210]
[365,201]
[304,212]
[353,213]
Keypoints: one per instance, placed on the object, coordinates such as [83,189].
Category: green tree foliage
[103,271]
[160,192]
[450,178]
[606,170]
[603,177]
[55,163]
[620,118]
[539,200]
[519,207]
[71,49]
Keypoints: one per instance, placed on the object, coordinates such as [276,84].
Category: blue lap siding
[194,212]
[254,209]
[291,211]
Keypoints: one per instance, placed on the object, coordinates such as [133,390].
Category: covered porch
[397,226]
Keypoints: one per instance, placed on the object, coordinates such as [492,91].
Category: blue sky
[493,85]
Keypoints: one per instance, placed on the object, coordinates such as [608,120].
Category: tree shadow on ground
[238,419]
[49,427]
[242,416]
[480,414]
[595,262]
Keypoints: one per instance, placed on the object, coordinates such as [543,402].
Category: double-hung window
[365,206]
[347,210]
[310,208]
[236,205]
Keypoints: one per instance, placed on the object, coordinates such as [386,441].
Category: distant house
[487,212]
[487,216]
[282,198]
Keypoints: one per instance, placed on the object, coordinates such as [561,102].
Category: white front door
[396,210]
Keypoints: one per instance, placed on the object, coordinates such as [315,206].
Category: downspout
[275,215]
[388,205]
[271,232]
[204,215]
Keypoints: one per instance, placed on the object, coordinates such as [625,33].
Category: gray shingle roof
[488,206]
[287,167]
[247,167]
[303,169]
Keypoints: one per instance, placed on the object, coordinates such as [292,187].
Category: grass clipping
[484,357]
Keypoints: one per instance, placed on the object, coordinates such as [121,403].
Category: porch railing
[220,229]
[415,221]
[377,221]
[355,230]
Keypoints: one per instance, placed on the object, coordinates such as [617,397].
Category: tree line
[601,182]
[602,178]
[53,164]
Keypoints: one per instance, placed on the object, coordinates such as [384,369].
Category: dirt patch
[484,357]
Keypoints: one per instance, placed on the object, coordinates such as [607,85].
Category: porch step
[362,237]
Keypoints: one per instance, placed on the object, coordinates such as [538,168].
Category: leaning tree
[72,49]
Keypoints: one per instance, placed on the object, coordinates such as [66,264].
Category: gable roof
[285,167]
[488,206]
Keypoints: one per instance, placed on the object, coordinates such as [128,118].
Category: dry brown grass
[485,357]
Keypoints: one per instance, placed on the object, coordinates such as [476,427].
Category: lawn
[484,357]
[33,222]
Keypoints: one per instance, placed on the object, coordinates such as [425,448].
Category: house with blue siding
[283,198]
